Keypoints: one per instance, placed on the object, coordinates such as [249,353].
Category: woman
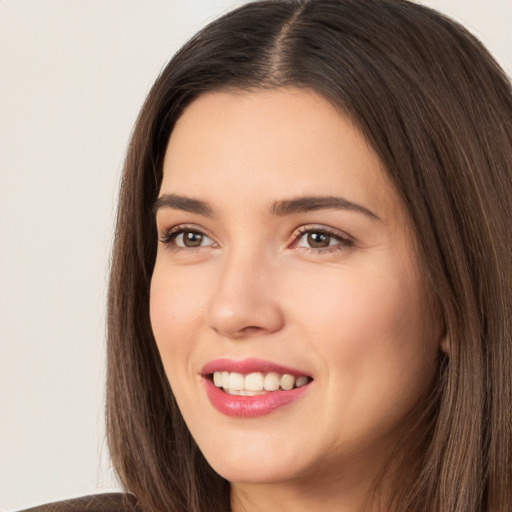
[310,301]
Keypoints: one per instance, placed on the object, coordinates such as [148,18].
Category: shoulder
[111,502]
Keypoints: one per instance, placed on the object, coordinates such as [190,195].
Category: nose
[244,302]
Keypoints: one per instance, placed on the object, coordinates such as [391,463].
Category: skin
[355,315]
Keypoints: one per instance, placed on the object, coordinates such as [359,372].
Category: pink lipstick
[252,387]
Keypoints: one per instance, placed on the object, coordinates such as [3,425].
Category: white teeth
[243,392]
[287,382]
[300,381]
[256,383]
[217,379]
[236,381]
[271,382]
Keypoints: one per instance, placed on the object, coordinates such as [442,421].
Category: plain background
[73,75]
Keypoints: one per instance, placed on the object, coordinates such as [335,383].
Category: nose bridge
[243,302]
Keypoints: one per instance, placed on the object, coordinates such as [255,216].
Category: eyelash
[344,242]
[168,238]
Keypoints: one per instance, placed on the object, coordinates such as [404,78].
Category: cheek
[360,305]
[370,331]
[175,306]
[173,312]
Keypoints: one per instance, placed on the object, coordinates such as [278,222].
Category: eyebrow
[279,208]
[312,203]
[186,204]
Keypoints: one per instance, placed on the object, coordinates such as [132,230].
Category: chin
[254,473]
[254,464]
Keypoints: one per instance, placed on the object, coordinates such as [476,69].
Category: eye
[186,238]
[191,239]
[316,240]
[321,239]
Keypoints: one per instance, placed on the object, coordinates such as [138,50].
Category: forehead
[266,144]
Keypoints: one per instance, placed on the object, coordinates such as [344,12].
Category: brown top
[110,502]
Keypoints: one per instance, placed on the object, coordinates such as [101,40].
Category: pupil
[192,239]
[319,240]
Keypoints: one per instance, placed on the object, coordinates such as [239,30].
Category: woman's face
[284,250]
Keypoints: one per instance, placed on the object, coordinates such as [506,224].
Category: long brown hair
[438,111]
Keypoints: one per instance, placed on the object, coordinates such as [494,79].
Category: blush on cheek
[170,308]
[174,324]
[377,319]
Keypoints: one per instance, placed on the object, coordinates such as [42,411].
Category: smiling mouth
[256,383]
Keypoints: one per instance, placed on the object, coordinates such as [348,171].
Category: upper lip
[250,365]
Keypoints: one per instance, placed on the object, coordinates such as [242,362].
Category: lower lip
[250,406]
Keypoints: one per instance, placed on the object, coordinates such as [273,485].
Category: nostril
[251,329]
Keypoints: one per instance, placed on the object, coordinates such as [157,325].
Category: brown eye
[187,239]
[318,240]
[192,239]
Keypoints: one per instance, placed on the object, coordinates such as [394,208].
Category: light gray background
[73,75]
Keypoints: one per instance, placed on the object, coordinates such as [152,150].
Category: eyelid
[167,236]
[345,240]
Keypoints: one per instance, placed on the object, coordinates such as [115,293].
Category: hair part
[437,110]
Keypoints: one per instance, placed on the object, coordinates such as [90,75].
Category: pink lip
[246,366]
[249,406]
